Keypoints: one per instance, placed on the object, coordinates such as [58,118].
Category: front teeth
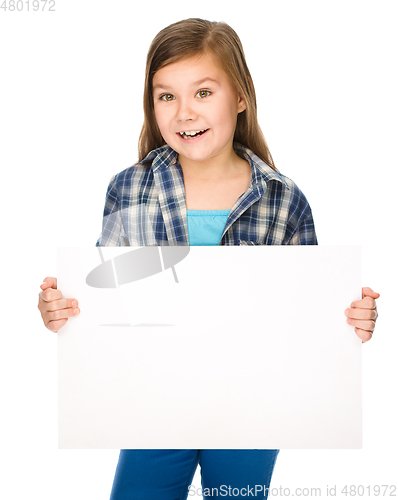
[192,132]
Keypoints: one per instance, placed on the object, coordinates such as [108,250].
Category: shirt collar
[165,156]
[161,157]
[260,170]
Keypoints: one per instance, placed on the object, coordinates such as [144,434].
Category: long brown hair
[194,37]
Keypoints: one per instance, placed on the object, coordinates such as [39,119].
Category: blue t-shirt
[205,227]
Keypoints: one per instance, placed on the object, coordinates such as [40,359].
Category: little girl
[205,177]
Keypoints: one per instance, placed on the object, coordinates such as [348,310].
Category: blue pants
[167,474]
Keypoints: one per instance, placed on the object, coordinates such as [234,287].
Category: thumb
[49,283]
[368,292]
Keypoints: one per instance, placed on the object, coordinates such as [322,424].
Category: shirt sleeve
[112,233]
[305,233]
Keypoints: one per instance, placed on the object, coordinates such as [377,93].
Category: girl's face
[195,95]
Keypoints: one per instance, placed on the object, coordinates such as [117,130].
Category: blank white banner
[222,347]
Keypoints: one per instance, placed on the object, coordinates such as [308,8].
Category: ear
[241,103]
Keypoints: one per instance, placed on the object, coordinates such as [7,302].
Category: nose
[185,111]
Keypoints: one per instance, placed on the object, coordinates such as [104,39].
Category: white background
[71,111]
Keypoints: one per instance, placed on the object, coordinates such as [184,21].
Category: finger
[62,314]
[368,292]
[361,324]
[54,326]
[61,304]
[361,313]
[49,283]
[366,303]
[364,335]
[50,294]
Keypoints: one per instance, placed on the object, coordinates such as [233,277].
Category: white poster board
[249,349]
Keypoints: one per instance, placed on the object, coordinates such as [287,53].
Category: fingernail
[75,311]
[74,303]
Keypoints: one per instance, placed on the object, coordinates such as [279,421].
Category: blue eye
[165,97]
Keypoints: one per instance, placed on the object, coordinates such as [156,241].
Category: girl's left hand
[363,314]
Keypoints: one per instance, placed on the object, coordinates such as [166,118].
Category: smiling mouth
[189,135]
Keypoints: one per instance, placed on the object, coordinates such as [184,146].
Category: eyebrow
[194,84]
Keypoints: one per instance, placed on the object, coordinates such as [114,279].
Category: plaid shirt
[145,206]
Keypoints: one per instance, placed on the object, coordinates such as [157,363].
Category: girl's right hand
[55,310]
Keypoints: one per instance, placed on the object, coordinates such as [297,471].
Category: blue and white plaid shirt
[145,206]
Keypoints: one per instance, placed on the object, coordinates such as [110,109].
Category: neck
[224,165]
